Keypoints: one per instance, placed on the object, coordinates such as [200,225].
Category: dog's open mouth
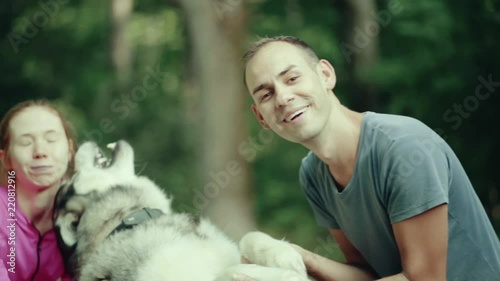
[101,160]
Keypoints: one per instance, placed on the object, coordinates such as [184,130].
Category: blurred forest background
[167,77]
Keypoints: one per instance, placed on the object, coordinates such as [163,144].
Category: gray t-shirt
[403,168]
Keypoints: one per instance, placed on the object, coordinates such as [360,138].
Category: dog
[112,224]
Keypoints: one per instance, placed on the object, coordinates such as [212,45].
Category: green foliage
[431,56]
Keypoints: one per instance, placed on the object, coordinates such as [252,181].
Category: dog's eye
[74,222]
[74,225]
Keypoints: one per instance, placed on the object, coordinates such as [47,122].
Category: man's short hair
[256,46]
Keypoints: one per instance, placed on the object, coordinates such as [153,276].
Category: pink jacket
[25,255]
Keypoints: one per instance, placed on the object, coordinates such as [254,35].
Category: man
[391,192]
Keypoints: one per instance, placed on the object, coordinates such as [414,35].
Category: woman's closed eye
[52,137]
[25,141]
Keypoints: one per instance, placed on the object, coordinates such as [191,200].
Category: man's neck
[338,145]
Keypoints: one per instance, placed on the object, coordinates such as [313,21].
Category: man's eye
[293,78]
[265,96]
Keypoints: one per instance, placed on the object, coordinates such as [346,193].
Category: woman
[36,152]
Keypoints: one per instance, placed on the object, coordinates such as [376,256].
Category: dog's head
[101,193]
[94,174]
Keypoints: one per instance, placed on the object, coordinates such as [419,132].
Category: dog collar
[137,217]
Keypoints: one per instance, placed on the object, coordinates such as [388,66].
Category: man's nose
[283,96]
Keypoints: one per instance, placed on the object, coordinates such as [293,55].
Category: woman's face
[39,149]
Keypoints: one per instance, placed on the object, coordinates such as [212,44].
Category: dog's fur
[171,247]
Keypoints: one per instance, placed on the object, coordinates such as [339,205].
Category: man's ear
[327,73]
[259,117]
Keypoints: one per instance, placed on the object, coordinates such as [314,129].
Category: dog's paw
[262,249]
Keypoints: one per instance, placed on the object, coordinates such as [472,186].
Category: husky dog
[114,225]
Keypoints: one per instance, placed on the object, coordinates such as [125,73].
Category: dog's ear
[68,209]
[66,226]
[66,229]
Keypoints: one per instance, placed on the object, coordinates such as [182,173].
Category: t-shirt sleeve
[417,177]
[311,190]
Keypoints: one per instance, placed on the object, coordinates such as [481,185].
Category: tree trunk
[120,48]
[364,36]
[216,31]
[119,56]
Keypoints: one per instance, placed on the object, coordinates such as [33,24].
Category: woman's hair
[5,134]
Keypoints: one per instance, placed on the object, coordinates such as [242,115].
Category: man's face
[292,95]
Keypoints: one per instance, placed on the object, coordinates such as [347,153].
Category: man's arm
[423,244]
[356,268]
[422,241]
[324,269]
